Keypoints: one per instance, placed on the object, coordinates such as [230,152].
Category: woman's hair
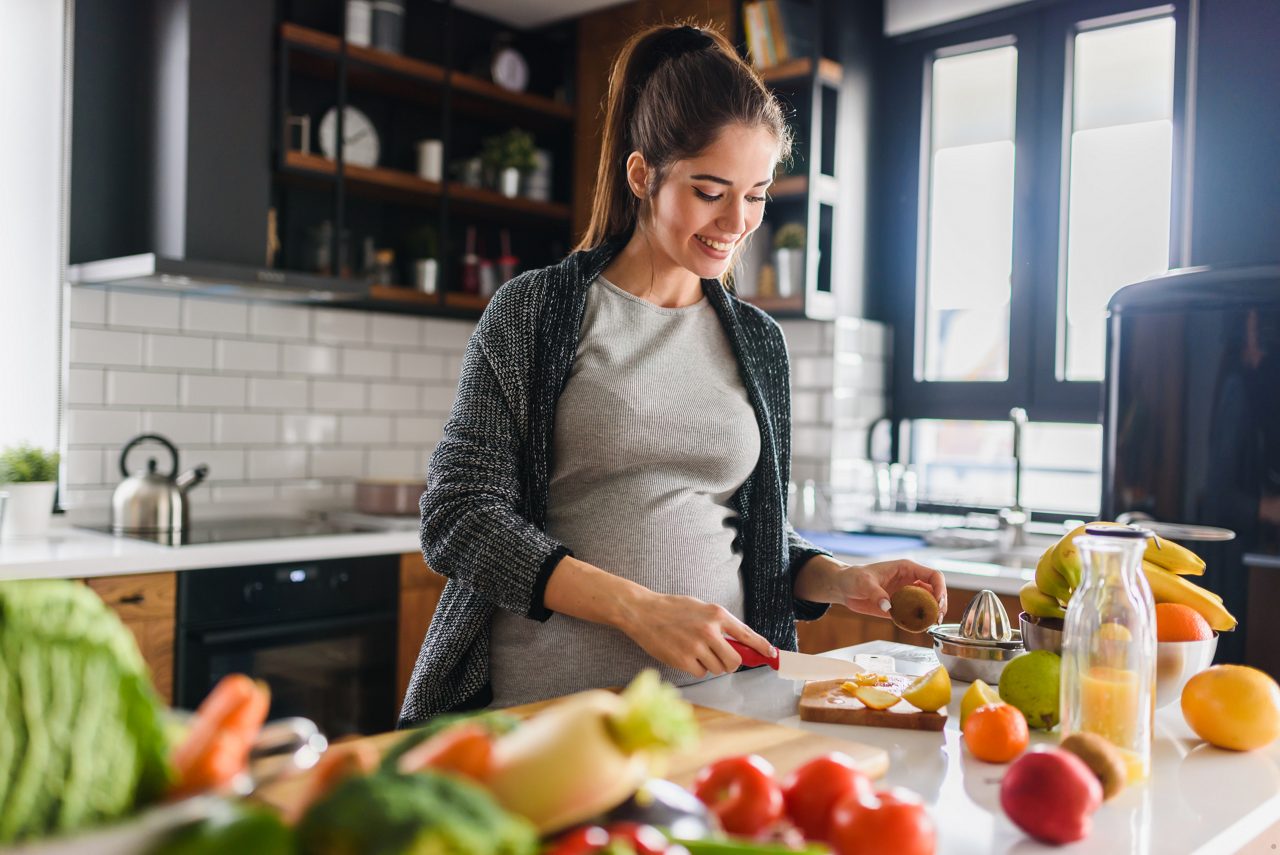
[672,90]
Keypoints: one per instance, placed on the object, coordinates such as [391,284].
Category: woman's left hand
[867,589]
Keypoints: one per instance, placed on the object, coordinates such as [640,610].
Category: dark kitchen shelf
[829,71]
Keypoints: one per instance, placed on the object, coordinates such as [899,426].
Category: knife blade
[798,666]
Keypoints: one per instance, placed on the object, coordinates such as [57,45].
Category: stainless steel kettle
[149,502]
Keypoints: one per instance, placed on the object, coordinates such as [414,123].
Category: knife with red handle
[798,666]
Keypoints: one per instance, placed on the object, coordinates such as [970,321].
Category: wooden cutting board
[723,735]
[825,701]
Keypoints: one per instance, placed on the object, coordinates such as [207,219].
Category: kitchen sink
[1017,557]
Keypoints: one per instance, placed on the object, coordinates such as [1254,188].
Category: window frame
[1043,34]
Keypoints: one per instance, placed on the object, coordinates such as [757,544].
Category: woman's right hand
[689,634]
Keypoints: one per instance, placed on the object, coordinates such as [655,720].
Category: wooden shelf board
[479,196]
[790,185]
[828,69]
[397,65]
[462,300]
[402,294]
[779,305]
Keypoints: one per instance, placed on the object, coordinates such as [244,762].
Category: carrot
[221,759]
[222,732]
[232,691]
[341,761]
[246,718]
[465,748]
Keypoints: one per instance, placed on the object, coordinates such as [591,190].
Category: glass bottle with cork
[1109,646]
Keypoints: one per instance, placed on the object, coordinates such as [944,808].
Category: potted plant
[788,255]
[509,155]
[30,476]
[424,254]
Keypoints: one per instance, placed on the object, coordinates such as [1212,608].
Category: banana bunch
[1164,563]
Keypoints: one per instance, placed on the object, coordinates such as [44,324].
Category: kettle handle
[154,437]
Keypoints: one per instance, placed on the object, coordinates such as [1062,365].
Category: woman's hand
[867,589]
[689,634]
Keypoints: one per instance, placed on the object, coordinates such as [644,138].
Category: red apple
[1051,795]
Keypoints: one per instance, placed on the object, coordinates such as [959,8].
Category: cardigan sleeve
[800,551]
[472,528]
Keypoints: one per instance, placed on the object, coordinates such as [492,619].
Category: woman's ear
[638,174]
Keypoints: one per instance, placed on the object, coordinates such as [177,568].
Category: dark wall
[112,110]
[1236,201]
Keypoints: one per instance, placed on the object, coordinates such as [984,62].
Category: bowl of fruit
[1185,645]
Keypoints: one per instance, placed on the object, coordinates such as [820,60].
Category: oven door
[337,671]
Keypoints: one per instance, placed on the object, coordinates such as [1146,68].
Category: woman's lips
[719,254]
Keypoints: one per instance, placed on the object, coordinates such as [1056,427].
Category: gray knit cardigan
[484,509]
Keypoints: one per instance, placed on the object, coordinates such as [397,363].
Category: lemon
[978,695]
[1233,706]
[930,692]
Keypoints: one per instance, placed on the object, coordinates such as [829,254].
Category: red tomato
[890,822]
[741,792]
[581,841]
[812,790]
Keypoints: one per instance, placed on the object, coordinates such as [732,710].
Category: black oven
[322,634]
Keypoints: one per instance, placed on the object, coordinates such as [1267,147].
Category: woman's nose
[734,219]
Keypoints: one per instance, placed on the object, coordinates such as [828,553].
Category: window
[1027,170]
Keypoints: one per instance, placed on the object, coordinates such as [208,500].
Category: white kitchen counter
[73,553]
[1199,799]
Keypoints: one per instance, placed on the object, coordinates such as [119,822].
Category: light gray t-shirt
[654,433]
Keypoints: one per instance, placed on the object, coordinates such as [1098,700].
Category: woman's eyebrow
[726,182]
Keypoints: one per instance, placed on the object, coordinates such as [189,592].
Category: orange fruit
[996,733]
[1233,706]
[1178,622]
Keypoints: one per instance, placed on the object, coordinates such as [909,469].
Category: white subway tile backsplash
[89,426]
[214,391]
[359,362]
[806,407]
[438,400]
[183,428]
[812,372]
[395,464]
[141,388]
[243,494]
[364,430]
[415,430]
[85,466]
[217,316]
[340,325]
[74,498]
[337,462]
[254,357]
[88,306]
[318,494]
[143,310]
[393,397]
[308,429]
[269,321]
[276,464]
[86,386]
[337,395]
[418,366]
[247,428]
[225,464]
[441,334]
[275,394]
[106,347]
[394,330]
[804,337]
[309,359]
[179,351]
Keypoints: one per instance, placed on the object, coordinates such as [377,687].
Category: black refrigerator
[1191,431]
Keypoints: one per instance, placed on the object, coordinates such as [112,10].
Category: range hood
[150,271]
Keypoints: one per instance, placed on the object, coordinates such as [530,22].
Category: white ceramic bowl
[1179,661]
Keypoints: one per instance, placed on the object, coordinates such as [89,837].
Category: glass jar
[1109,645]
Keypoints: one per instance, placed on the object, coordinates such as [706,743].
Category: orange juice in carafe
[1109,646]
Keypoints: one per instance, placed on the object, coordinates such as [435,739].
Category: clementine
[996,733]
[1179,622]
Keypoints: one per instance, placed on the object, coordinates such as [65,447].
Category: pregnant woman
[610,492]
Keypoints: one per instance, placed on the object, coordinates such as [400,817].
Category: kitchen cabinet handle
[133,600]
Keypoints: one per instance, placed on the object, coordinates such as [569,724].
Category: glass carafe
[1109,646]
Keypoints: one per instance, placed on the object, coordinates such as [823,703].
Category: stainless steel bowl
[973,659]
[1179,661]
[1041,633]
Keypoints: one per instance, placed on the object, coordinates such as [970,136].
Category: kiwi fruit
[913,608]
[1102,758]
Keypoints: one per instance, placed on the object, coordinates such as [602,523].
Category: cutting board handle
[750,657]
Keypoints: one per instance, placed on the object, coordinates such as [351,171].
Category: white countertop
[73,553]
[1199,799]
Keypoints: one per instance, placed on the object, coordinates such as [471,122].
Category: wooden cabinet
[146,602]
[841,627]
[420,589]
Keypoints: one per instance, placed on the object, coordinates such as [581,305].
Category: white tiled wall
[838,376]
[284,403]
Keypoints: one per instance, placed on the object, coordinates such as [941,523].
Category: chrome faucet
[1015,518]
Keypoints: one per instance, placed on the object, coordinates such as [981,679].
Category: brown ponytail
[672,89]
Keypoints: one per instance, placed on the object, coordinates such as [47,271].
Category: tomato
[890,822]
[741,792]
[812,790]
[643,839]
[581,841]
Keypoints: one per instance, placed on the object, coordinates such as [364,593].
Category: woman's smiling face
[708,204]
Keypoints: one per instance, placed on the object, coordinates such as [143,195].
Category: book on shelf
[777,31]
